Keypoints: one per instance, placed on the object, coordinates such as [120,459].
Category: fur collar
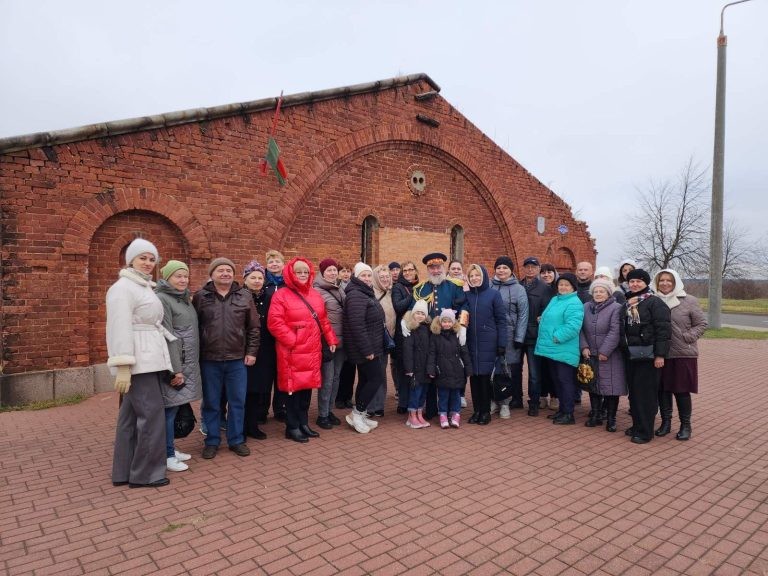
[436,328]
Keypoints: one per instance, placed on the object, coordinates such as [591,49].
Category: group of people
[284,332]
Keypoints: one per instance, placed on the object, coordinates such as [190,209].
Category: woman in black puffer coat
[647,323]
[363,329]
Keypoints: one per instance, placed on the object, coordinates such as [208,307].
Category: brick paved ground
[519,496]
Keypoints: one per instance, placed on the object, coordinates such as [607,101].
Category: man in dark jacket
[229,341]
[584,276]
[539,294]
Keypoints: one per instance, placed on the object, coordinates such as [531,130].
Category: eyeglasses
[301,272]
[409,269]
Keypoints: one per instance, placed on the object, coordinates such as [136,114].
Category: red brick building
[383,171]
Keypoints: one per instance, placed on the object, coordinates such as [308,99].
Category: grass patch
[45,404]
[172,527]
[736,334]
[730,306]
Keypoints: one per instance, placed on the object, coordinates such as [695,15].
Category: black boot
[611,404]
[533,407]
[324,422]
[603,410]
[594,413]
[308,432]
[474,418]
[665,409]
[684,409]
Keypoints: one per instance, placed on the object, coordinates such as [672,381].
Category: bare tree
[669,223]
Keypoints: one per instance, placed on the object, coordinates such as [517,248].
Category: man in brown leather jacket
[229,341]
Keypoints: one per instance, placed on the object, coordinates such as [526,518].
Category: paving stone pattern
[520,496]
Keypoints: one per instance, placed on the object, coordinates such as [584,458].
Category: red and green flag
[272,157]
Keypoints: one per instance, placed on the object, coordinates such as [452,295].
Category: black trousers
[371,375]
[346,382]
[481,393]
[643,383]
[297,408]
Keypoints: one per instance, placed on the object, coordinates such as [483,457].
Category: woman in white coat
[139,359]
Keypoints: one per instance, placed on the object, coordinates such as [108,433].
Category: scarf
[633,299]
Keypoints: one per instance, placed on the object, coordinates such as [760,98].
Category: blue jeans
[230,375]
[170,418]
[534,372]
[417,396]
[448,400]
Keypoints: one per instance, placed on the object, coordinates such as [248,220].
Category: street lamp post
[716,224]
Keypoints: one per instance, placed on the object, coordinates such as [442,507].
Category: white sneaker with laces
[181,456]
[174,465]
[494,407]
[463,402]
[370,422]
[504,412]
[355,419]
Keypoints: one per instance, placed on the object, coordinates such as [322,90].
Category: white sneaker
[463,402]
[356,420]
[554,403]
[370,422]
[494,407]
[174,465]
[181,456]
[543,401]
[504,412]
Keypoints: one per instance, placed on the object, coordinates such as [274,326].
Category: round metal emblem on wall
[417,180]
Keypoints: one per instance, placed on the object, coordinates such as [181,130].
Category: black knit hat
[504,261]
[639,274]
[571,278]
[394,265]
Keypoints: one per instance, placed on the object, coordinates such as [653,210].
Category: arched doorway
[106,258]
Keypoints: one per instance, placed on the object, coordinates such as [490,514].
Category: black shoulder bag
[327,355]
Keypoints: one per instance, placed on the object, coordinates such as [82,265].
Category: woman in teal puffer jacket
[558,344]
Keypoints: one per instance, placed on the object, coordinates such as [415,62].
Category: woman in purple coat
[600,336]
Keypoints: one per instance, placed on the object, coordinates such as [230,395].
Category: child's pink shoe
[422,421]
[455,420]
[413,421]
[444,421]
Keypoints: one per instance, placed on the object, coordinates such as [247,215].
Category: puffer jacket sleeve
[252,329]
[174,348]
[401,299]
[662,326]
[408,354]
[319,305]
[466,360]
[356,308]
[613,336]
[277,320]
[500,318]
[697,319]
[432,356]
[583,335]
[522,314]
[120,326]
[573,319]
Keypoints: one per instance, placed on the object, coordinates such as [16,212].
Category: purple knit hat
[253,266]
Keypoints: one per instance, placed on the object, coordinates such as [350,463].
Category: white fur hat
[604,271]
[139,246]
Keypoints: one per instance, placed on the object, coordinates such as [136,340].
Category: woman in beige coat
[679,376]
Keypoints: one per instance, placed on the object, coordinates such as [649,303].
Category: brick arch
[385,137]
[93,213]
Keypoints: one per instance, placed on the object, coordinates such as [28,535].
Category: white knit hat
[360,267]
[137,247]
[604,271]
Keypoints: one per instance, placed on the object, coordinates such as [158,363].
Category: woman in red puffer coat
[296,329]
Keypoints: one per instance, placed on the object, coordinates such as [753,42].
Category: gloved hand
[517,344]
[404,328]
[501,351]
[463,335]
[123,379]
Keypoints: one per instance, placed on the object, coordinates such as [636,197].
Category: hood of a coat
[165,288]
[512,280]
[679,287]
[321,282]
[292,281]
[436,328]
[485,284]
[357,284]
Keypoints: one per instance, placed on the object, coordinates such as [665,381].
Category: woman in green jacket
[558,344]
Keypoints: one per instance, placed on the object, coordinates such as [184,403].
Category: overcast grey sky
[595,98]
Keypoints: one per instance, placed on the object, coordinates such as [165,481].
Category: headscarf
[671,299]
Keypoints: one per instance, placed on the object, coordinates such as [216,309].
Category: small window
[370,239]
[457,243]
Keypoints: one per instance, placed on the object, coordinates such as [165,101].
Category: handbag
[325,349]
[588,374]
[640,353]
[184,422]
[501,380]
[389,342]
